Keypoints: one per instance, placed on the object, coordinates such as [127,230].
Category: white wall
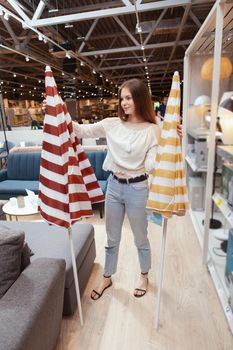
[23,134]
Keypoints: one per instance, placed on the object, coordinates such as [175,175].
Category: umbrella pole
[161,265]
[75,276]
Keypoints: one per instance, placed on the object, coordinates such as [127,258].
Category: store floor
[191,316]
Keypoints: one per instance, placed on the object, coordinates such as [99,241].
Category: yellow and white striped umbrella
[168,190]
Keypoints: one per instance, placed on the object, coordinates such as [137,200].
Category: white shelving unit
[212,40]
[191,162]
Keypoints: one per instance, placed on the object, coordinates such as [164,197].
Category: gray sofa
[31,309]
[48,241]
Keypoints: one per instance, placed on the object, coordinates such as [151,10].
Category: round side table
[12,210]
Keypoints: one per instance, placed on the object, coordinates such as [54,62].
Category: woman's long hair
[141,98]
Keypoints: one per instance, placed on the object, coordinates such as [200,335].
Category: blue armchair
[23,170]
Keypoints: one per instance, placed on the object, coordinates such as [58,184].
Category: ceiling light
[27,59]
[6,16]
[138,28]
[68,55]
[142,47]
[40,37]
[1,11]
[53,10]
[81,63]
[94,72]
[68,25]
[14,75]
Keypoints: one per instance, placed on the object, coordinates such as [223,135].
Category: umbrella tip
[48,69]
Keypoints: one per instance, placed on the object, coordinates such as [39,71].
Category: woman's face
[127,103]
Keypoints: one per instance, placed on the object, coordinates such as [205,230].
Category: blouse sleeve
[150,159]
[151,154]
[89,130]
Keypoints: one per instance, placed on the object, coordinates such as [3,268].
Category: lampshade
[202,104]
[225,69]
[225,112]
[202,100]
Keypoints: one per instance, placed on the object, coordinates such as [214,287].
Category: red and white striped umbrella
[68,184]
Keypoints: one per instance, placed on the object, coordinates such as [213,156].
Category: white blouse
[131,146]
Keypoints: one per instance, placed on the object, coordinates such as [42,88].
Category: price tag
[230,217]
[228,312]
[220,290]
[211,268]
[218,201]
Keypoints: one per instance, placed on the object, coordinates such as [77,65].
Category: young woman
[132,143]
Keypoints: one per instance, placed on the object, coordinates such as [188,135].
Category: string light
[41,37]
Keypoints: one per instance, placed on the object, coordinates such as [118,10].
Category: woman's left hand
[180,130]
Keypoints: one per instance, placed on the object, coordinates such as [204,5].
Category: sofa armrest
[3,175]
[31,310]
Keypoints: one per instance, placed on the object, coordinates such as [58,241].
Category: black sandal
[143,291]
[99,295]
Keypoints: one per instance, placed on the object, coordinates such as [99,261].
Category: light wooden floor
[191,317]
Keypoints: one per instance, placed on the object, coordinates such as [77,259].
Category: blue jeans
[130,199]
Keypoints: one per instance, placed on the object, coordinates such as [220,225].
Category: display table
[13,212]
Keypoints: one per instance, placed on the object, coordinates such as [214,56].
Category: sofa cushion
[96,159]
[103,184]
[11,247]
[17,187]
[53,242]
[23,166]
[26,256]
